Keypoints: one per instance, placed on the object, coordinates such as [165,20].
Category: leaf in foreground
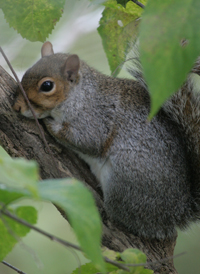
[11,231]
[122,2]
[34,20]
[18,173]
[89,268]
[129,256]
[135,256]
[118,30]
[69,194]
[169,46]
[78,203]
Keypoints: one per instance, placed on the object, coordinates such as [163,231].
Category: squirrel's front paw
[52,126]
[49,123]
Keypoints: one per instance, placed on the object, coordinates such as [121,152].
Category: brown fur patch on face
[42,101]
[48,100]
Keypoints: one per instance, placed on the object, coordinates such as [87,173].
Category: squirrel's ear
[47,49]
[72,66]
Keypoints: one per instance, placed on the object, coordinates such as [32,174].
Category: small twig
[29,104]
[67,244]
[119,265]
[51,237]
[14,268]
[138,3]
[56,239]
[22,244]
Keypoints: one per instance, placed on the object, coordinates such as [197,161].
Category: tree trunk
[20,138]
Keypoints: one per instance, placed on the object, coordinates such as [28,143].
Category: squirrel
[149,172]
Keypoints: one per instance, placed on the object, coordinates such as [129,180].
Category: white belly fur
[101,168]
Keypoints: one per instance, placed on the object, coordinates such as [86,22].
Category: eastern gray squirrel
[149,171]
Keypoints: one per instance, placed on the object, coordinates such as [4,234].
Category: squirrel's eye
[47,86]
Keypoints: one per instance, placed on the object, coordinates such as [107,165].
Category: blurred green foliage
[11,231]
[19,179]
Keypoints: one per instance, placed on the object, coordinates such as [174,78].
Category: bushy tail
[183,108]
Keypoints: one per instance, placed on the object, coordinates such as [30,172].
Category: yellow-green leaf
[33,19]
[118,30]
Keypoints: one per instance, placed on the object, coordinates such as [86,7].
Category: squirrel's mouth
[39,115]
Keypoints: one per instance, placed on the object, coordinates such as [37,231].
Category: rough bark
[20,138]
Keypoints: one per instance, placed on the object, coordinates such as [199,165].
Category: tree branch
[20,137]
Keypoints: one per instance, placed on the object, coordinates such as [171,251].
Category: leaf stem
[138,3]
[119,265]
[12,267]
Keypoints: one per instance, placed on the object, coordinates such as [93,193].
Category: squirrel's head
[48,82]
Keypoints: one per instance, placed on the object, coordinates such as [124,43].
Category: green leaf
[118,30]
[111,254]
[34,20]
[134,270]
[131,8]
[18,172]
[146,271]
[88,268]
[166,61]
[78,203]
[3,153]
[97,2]
[9,194]
[122,2]
[10,230]
[133,256]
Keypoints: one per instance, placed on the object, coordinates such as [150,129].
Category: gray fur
[149,184]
